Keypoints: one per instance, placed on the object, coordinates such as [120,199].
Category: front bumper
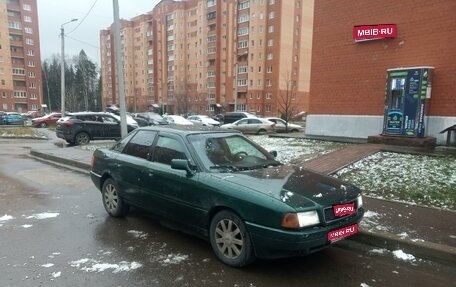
[278,243]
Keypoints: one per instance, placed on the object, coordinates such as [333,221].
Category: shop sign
[374,32]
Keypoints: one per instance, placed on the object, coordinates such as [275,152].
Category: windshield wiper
[225,166]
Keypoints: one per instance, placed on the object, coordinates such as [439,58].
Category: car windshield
[230,152]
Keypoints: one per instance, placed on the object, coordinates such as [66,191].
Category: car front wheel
[112,202]
[43,125]
[82,138]
[230,240]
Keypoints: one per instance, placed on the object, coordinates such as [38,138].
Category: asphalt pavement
[426,233]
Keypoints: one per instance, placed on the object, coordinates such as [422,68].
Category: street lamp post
[62,66]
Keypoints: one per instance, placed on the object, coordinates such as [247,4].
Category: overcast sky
[53,13]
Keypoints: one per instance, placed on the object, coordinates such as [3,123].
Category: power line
[82,21]
[91,45]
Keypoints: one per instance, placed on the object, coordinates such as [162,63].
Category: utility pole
[120,70]
[62,66]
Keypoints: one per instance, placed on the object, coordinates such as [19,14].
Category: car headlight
[300,219]
[360,201]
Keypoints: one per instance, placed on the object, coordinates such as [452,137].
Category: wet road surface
[55,232]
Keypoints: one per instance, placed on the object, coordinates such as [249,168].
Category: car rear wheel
[230,240]
[112,202]
[262,131]
[43,125]
[82,138]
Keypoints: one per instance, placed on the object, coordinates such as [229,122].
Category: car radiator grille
[329,213]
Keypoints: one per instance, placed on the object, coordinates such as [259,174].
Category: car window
[238,144]
[254,121]
[168,149]
[108,119]
[139,145]
[243,122]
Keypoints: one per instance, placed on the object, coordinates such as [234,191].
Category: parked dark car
[231,117]
[13,119]
[222,186]
[149,119]
[47,120]
[81,128]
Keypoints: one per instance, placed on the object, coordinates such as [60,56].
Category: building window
[243,31]
[30,53]
[268,96]
[242,83]
[259,95]
[210,3]
[14,25]
[243,44]
[18,71]
[271,29]
[269,69]
[4,96]
[211,39]
[2,71]
[32,85]
[270,42]
[243,18]
[27,19]
[32,74]
[33,96]
[211,15]
[28,30]
[271,2]
[20,94]
[27,7]
[29,41]
[3,82]
[269,56]
[268,82]
[244,5]
[271,15]
[211,50]
[267,108]
[31,63]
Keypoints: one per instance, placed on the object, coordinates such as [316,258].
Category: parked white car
[280,125]
[177,120]
[251,125]
[203,120]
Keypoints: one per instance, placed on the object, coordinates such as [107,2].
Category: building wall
[20,64]
[196,48]
[348,78]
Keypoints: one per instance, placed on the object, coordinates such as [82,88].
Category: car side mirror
[183,164]
[273,153]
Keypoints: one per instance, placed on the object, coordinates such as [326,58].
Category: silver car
[281,127]
[251,125]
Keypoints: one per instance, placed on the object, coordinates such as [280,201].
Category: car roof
[188,130]
[87,113]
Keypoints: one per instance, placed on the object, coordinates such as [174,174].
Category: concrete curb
[425,250]
[69,162]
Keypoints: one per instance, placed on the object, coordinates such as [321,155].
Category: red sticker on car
[343,232]
[344,209]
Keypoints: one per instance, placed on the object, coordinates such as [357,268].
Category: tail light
[68,123]
[92,162]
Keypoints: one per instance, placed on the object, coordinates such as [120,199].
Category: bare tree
[285,102]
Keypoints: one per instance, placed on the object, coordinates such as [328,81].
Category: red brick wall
[348,78]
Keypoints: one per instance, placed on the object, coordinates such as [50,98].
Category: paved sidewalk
[426,233]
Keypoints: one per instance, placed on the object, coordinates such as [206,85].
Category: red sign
[374,32]
[344,209]
[342,233]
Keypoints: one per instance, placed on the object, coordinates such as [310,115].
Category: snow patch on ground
[5,217]
[44,215]
[26,226]
[138,234]
[399,254]
[171,259]
[47,265]
[92,265]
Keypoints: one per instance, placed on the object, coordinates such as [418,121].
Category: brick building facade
[347,90]
[20,59]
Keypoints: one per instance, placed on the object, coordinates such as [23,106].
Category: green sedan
[223,187]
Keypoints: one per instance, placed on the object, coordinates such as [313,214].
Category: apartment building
[208,56]
[20,60]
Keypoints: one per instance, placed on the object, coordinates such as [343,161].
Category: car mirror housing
[273,153]
[183,164]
